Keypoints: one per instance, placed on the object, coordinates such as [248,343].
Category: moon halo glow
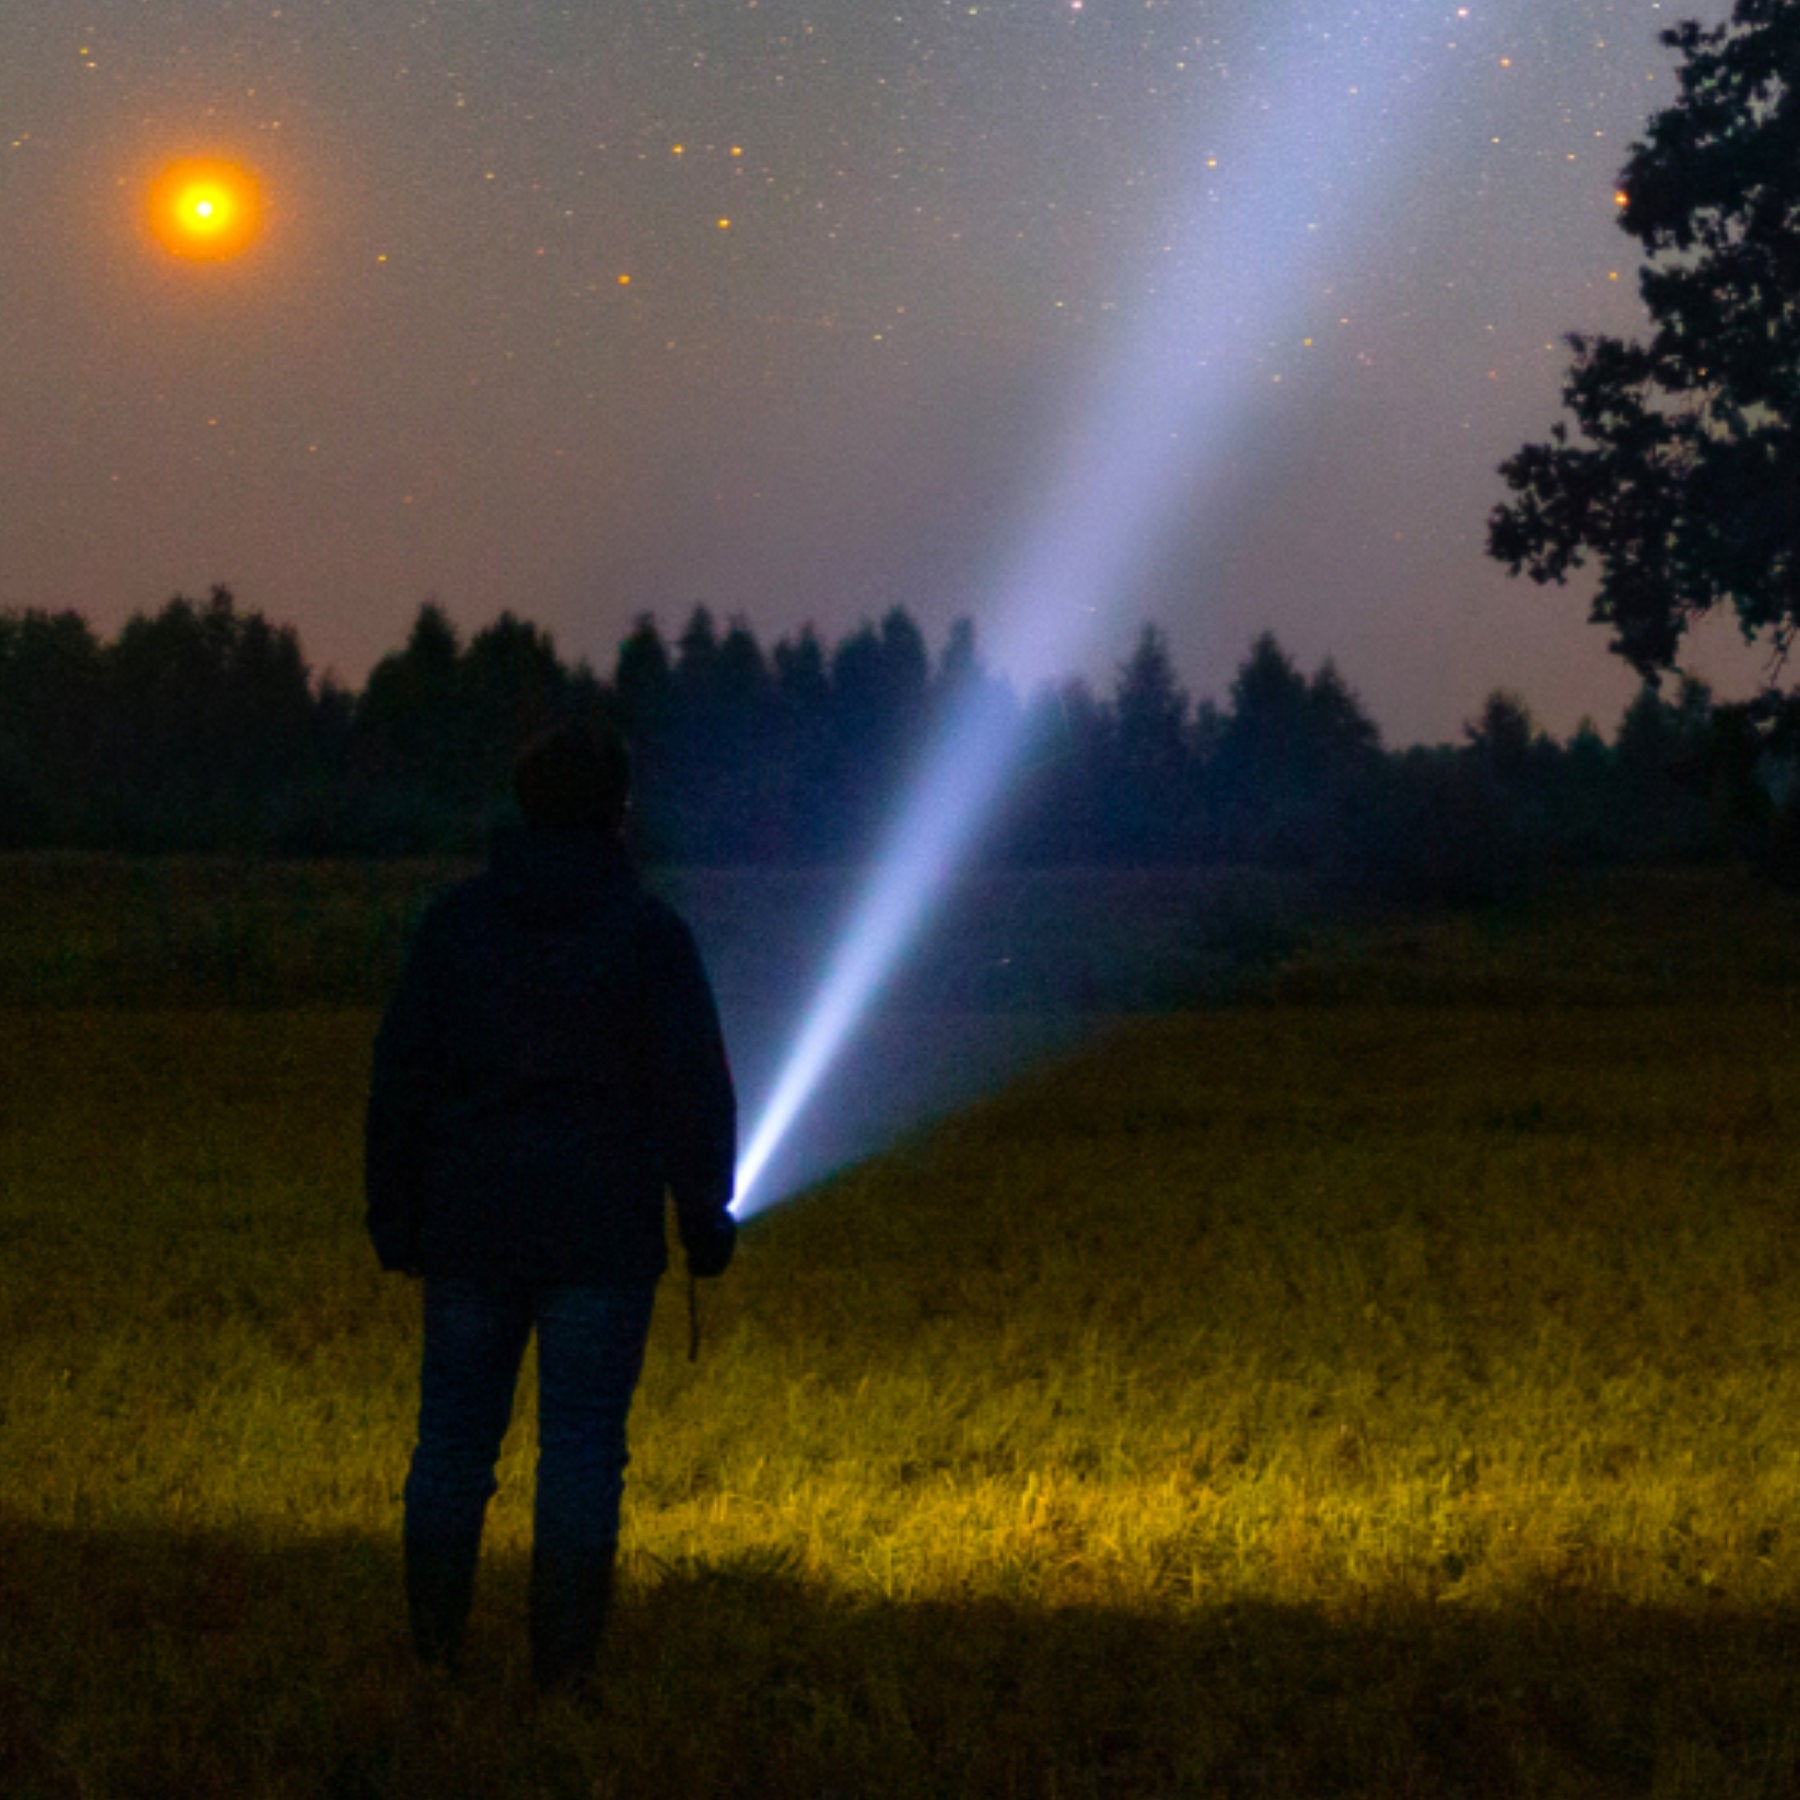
[205,210]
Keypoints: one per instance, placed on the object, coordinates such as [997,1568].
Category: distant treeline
[201,727]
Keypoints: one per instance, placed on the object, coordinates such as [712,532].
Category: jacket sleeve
[405,1081]
[694,1106]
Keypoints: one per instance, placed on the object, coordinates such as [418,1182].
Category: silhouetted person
[549,1066]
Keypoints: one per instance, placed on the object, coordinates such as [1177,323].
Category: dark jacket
[549,1065]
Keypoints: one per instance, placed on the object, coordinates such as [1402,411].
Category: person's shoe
[440,1582]
[571,1598]
[423,1736]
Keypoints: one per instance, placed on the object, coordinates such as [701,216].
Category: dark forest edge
[202,728]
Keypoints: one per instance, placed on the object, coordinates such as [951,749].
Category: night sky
[789,309]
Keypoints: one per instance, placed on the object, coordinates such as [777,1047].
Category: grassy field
[114,932]
[1385,1381]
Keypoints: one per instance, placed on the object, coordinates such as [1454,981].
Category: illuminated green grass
[1326,1395]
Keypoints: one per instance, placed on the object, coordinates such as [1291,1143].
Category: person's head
[573,778]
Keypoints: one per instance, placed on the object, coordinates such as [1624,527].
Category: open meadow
[1369,1364]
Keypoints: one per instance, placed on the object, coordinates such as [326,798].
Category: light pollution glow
[1155,429]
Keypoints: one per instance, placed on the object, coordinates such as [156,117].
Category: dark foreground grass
[219,1665]
[1391,1386]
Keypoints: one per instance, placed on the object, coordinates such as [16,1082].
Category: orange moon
[207,211]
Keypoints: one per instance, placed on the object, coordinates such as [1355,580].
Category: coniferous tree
[511,685]
[1150,708]
[1503,738]
[644,688]
[1660,755]
[1063,811]
[803,722]
[1253,771]
[643,680]
[693,773]
[207,708]
[879,680]
[1289,765]
[695,684]
[744,746]
[51,728]
[958,667]
[405,729]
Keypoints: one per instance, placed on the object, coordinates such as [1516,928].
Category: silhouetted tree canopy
[199,727]
[1681,477]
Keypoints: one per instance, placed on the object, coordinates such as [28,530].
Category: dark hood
[558,877]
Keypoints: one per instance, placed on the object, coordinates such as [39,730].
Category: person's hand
[709,1246]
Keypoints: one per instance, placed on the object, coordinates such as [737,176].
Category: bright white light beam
[1275,190]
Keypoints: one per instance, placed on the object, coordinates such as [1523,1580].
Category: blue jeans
[590,1353]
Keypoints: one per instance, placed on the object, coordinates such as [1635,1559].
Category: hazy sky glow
[803,311]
